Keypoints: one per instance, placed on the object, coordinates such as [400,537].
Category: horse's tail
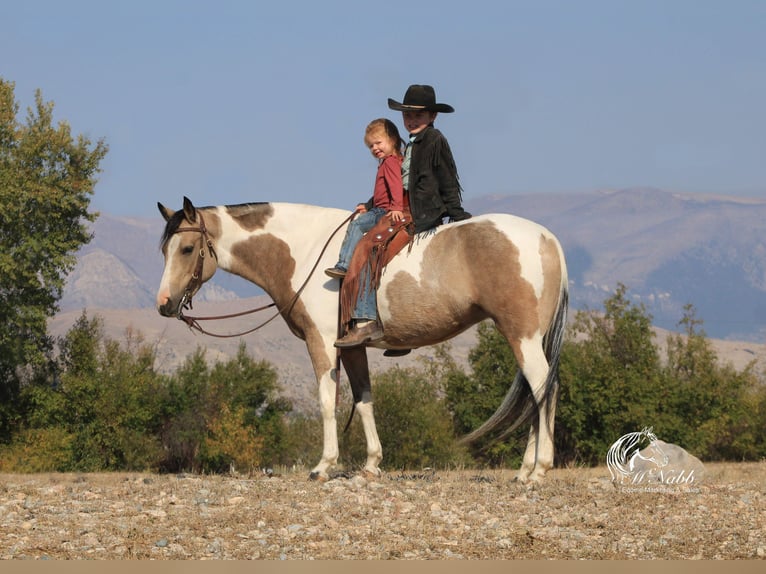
[519,406]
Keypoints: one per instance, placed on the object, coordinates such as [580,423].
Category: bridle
[195,282]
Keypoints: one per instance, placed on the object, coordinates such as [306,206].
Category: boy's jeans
[366,303]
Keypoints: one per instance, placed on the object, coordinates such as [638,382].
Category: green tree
[711,408]
[102,413]
[203,404]
[413,423]
[473,399]
[46,179]
[611,379]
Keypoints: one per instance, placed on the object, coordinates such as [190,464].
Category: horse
[625,458]
[495,266]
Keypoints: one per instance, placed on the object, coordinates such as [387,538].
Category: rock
[679,469]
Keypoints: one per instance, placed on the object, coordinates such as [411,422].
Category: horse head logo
[626,457]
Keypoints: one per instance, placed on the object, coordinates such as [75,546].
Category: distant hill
[669,249]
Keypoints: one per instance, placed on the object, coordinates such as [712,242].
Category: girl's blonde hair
[389,128]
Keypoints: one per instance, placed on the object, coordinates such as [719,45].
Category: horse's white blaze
[163,293]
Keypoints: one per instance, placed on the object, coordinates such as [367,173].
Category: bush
[611,381]
[473,399]
[101,410]
[38,450]
[231,443]
[207,407]
[413,422]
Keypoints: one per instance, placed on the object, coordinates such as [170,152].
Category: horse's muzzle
[168,309]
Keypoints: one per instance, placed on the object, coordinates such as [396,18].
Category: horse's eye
[186,250]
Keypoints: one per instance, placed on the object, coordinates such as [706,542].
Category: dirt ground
[575,513]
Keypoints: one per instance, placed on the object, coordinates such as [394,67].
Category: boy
[429,173]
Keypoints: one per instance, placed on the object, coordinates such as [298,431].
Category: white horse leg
[530,456]
[327,390]
[355,362]
[374,449]
[538,457]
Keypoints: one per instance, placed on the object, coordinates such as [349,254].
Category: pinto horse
[497,266]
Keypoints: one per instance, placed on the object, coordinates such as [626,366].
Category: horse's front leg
[327,393]
[355,362]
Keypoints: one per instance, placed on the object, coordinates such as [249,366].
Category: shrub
[413,423]
[473,399]
[38,450]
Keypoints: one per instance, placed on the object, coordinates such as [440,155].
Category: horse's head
[190,257]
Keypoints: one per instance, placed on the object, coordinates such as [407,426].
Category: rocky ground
[575,513]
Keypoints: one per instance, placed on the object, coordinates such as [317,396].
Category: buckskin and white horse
[496,266]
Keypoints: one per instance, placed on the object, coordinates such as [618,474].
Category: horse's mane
[175,220]
[251,204]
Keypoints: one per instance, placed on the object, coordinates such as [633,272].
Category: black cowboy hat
[420,97]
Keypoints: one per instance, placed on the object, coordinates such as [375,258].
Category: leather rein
[195,282]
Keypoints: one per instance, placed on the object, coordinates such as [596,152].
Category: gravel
[575,513]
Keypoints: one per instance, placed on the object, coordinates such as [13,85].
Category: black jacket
[433,187]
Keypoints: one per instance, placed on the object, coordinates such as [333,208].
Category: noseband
[195,282]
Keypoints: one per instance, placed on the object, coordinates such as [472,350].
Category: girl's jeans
[360,225]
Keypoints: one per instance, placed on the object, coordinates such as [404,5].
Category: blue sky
[234,101]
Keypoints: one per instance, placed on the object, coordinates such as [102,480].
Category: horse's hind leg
[355,362]
[538,456]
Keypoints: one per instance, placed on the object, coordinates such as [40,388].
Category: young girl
[382,138]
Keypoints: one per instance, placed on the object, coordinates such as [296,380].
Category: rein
[195,283]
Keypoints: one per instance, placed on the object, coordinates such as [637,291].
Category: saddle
[373,252]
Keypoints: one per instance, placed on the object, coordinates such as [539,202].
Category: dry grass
[576,513]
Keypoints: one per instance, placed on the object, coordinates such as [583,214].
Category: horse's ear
[165,212]
[189,210]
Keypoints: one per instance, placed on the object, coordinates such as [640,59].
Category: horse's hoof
[317,476]
[371,475]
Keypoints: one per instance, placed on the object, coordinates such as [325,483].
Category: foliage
[302,440]
[472,400]
[232,443]
[714,407]
[38,450]
[413,422]
[103,402]
[238,397]
[610,372]
[615,382]
[110,410]
[46,179]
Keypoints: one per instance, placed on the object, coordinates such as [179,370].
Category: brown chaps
[371,255]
